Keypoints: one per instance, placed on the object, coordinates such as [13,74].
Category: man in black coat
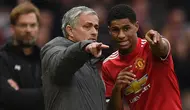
[69,74]
[20,67]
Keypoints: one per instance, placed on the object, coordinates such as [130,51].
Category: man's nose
[121,34]
[28,28]
[94,31]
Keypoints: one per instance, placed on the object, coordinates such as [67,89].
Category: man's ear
[12,29]
[137,25]
[69,31]
[109,30]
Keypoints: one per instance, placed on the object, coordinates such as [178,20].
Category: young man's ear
[137,25]
[69,31]
[109,30]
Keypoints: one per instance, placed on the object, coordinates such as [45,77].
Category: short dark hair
[121,11]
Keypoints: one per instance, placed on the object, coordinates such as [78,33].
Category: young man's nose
[121,34]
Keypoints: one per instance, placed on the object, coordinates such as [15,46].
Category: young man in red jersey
[141,72]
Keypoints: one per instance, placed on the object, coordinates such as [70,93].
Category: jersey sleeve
[108,80]
[148,49]
[169,50]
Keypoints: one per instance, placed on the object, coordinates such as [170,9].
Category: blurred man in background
[20,67]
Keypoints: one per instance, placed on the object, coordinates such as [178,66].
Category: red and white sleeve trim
[169,50]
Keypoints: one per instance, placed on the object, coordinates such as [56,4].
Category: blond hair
[24,8]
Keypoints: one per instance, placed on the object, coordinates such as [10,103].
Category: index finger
[149,36]
[126,68]
[103,46]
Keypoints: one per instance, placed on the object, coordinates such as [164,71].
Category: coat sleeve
[22,99]
[62,62]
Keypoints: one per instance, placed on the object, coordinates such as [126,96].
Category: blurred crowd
[171,18]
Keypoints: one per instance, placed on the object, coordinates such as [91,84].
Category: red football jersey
[156,86]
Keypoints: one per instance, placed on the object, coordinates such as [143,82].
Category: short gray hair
[71,17]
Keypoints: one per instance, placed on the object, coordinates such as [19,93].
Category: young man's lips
[124,43]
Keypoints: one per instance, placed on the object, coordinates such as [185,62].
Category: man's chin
[126,47]
[26,45]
